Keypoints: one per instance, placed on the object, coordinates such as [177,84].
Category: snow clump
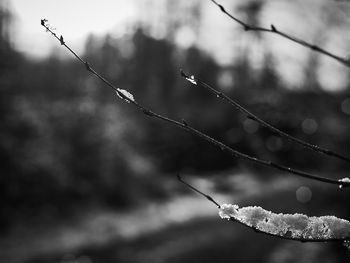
[128,96]
[294,226]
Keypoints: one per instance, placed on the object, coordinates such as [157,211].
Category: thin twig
[274,30]
[257,230]
[198,191]
[195,81]
[184,125]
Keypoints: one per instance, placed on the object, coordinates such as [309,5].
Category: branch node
[251,117]
[273,28]
[148,112]
[87,65]
[222,8]
[184,122]
[62,40]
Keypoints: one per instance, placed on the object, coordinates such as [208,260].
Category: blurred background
[86,178]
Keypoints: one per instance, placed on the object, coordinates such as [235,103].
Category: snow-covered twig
[129,98]
[198,82]
[296,227]
[274,30]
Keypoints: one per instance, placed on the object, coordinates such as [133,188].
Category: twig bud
[148,112]
[250,117]
[62,40]
[87,65]
[182,73]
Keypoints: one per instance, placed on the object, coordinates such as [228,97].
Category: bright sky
[75,19]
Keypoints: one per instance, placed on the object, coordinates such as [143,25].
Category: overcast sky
[75,19]
[313,20]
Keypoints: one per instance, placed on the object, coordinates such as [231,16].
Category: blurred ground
[183,229]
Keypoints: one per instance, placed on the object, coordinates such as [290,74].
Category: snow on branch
[296,227]
[291,226]
[127,95]
[274,30]
[198,82]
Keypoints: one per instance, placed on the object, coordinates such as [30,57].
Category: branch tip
[183,74]
[179,177]
[43,22]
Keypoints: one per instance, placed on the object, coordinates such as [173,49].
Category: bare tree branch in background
[129,98]
[274,30]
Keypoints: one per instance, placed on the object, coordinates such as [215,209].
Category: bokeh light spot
[303,194]
[309,126]
[250,126]
[345,106]
[274,143]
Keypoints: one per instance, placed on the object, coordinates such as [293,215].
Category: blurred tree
[66,142]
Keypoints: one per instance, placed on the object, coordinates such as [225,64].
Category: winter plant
[297,227]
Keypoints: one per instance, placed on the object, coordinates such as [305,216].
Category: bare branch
[126,96]
[219,94]
[297,227]
[274,30]
[197,191]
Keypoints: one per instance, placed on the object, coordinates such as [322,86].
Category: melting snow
[345,180]
[192,80]
[296,226]
[128,96]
